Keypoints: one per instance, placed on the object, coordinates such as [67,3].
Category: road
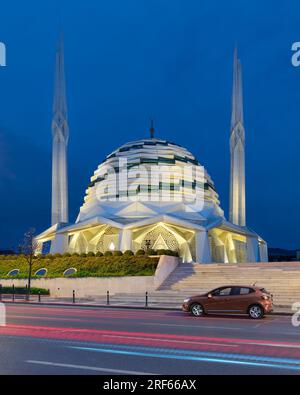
[75,340]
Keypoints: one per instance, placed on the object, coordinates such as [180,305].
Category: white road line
[171,341]
[92,368]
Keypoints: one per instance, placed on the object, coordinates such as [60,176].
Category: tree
[29,249]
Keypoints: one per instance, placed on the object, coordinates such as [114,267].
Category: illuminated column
[60,137]
[231,253]
[220,244]
[203,254]
[237,211]
[125,240]
[39,249]
[252,249]
[59,244]
[263,252]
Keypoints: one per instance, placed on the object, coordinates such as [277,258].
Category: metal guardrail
[107,299]
[16,296]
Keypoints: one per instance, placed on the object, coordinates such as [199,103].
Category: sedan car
[231,299]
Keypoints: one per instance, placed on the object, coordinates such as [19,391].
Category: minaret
[60,137]
[152,129]
[237,149]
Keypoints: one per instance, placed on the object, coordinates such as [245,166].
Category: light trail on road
[127,337]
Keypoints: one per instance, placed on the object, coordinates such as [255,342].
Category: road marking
[92,368]
[172,341]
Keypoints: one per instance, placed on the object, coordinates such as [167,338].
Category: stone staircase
[281,279]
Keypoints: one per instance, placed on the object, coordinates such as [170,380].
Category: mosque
[152,194]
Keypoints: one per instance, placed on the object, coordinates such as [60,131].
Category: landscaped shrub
[90,254]
[57,255]
[167,252]
[66,255]
[8,256]
[75,254]
[23,291]
[99,253]
[140,252]
[83,255]
[117,253]
[50,256]
[108,253]
[151,252]
[128,253]
[92,266]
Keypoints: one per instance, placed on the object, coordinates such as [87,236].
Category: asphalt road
[75,340]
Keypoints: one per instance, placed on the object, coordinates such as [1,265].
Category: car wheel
[256,312]
[197,310]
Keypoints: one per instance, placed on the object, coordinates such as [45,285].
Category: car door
[241,298]
[219,300]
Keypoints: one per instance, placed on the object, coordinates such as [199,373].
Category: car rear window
[245,291]
[242,291]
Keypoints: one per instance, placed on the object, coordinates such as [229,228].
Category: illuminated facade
[154,194]
[158,215]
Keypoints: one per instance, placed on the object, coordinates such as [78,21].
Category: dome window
[70,272]
[41,272]
[14,272]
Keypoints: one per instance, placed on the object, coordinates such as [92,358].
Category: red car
[231,299]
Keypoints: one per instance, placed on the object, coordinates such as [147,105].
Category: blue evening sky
[130,60]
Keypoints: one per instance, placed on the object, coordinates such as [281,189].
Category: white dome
[158,173]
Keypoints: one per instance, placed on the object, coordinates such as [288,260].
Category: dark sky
[130,60]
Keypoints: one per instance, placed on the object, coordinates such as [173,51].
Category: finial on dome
[152,129]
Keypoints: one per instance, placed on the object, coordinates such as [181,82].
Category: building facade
[154,194]
[154,211]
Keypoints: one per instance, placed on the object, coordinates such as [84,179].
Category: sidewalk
[102,302]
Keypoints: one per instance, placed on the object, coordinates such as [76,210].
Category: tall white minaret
[237,213]
[60,137]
